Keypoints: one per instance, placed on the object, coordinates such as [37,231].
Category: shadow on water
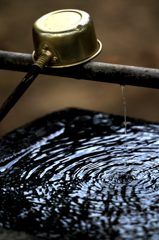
[75,174]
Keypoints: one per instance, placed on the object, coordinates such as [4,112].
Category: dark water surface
[75,174]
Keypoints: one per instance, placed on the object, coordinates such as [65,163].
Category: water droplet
[124,104]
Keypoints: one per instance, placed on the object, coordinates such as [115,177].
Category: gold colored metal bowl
[69,35]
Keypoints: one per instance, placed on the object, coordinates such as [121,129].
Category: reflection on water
[75,174]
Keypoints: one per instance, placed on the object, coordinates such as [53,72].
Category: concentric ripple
[75,174]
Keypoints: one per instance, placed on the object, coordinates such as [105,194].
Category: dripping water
[124,104]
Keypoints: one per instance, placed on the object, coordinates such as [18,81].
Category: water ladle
[62,38]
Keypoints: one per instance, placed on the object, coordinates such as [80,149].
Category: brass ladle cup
[61,39]
[69,35]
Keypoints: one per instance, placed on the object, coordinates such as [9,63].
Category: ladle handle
[36,68]
[19,90]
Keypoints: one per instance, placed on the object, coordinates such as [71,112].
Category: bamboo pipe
[94,71]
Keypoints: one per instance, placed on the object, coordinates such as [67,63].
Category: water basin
[75,174]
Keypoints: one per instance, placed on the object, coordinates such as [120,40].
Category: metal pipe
[94,71]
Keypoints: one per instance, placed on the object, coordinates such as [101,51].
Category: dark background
[129,32]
